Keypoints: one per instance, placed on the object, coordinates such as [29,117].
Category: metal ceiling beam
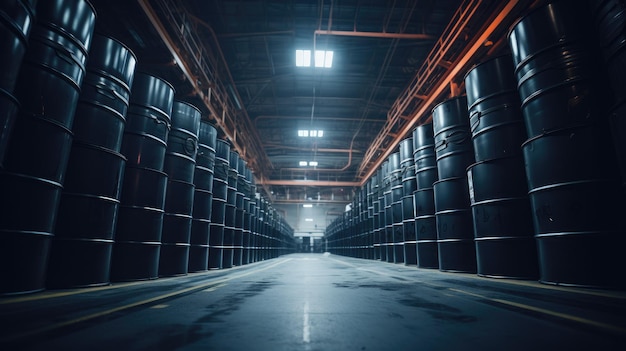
[374,34]
[317,118]
[311,149]
[324,183]
[421,84]
[368,166]
[255,34]
[313,202]
[198,66]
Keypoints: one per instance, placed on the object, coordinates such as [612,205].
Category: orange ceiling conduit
[198,66]
[337,119]
[398,125]
[374,34]
[280,146]
[310,183]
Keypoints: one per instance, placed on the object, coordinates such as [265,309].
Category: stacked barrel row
[503,231]
[243,226]
[98,162]
[409,186]
[228,236]
[571,167]
[341,238]
[203,198]
[16,22]
[46,72]
[609,23]
[527,184]
[454,151]
[85,227]
[359,218]
[271,234]
[180,166]
[218,205]
[423,197]
[392,197]
[139,228]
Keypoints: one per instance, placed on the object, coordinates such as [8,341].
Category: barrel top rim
[29,6]
[31,177]
[100,148]
[15,27]
[530,13]
[154,76]
[9,96]
[487,61]
[95,13]
[170,180]
[423,190]
[460,97]
[183,102]
[93,8]
[132,166]
[448,179]
[209,123]
[113,38]
[495,160]
[557,131]
[425,124]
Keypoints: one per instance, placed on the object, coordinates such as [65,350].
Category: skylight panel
[303,58]
[322,58]
[314,133]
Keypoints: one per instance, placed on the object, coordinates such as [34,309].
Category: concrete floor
[317,302]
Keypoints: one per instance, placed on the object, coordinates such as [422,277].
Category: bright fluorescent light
[303,58]
[303,163]
[310,133]
[308,219]
[323,58]
[307,205]
[319,58]
[328,59]
[313,163]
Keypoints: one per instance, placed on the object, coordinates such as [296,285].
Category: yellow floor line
[82,319]
[160,306]
[528,283]
[564,316]
[544,311]
[213,288]
[54,294]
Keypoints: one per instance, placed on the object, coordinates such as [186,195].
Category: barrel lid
[77,20]
[502,56]
[125,73]
[447,101]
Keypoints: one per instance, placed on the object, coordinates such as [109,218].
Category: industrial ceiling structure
[392,62]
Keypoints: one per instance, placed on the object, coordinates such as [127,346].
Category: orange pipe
[433,96]
[373,34]
[309,183]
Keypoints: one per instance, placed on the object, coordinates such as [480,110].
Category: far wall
[321,214]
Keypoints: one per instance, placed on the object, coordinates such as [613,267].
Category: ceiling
[393,61]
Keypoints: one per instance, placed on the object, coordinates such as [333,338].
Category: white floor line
[306,328]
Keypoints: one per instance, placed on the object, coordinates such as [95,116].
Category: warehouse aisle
[317,302]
